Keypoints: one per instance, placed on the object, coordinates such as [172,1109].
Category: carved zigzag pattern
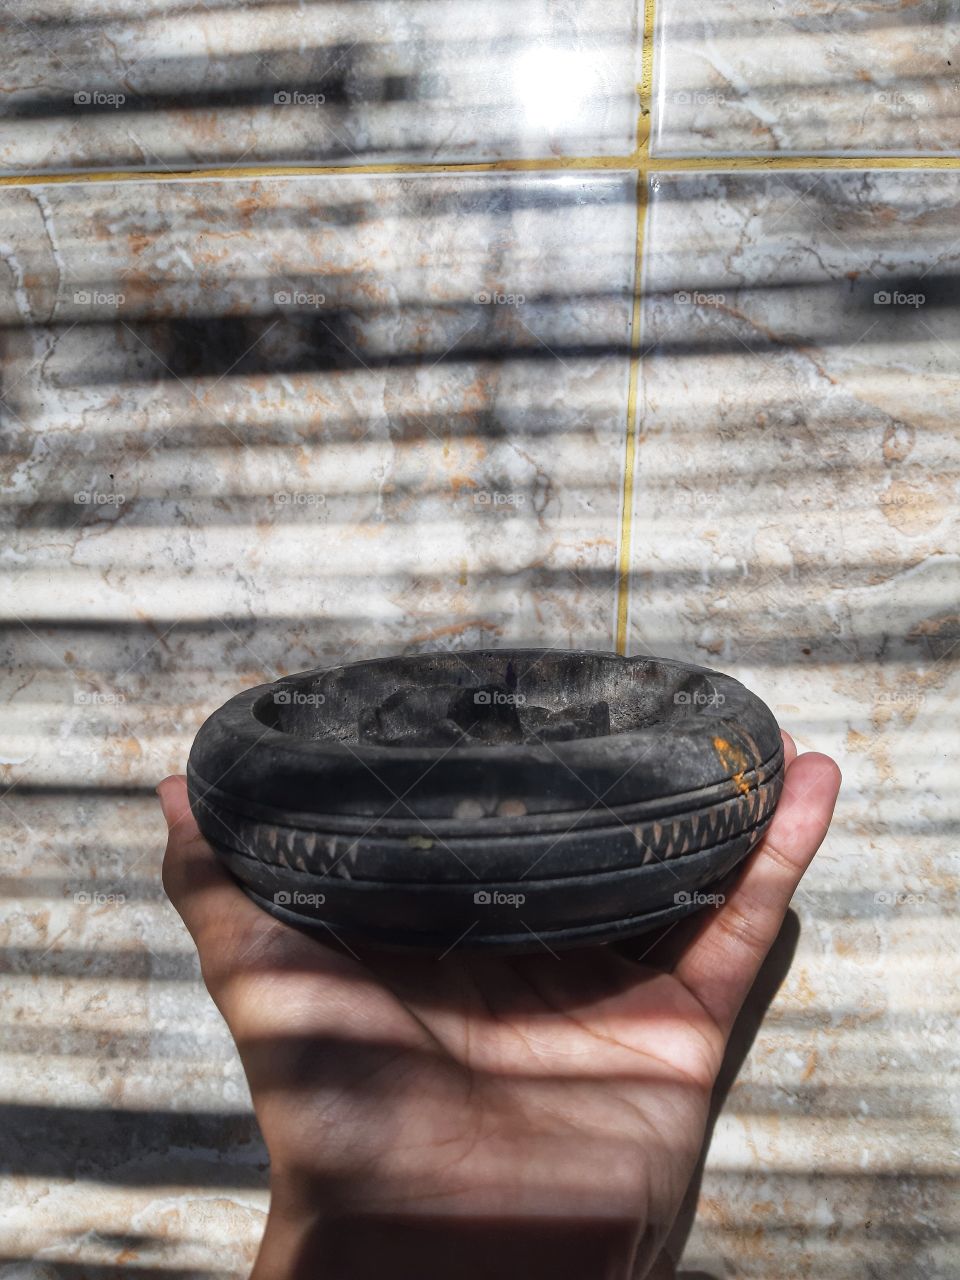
[311,851]
[701,830]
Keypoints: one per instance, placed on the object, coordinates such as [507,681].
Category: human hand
[481,1116]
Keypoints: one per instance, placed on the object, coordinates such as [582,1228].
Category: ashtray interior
[445,700]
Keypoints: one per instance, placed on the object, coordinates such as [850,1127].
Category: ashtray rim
[236,753]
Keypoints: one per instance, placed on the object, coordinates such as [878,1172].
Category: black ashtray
[501,798]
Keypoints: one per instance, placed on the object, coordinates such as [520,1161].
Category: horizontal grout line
[640,162]
[659,164]
[549,163]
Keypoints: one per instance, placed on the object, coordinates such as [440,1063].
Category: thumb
[175,805]
[209,901]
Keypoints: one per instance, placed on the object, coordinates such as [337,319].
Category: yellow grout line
[541,163]
[641,159]
[630,447]
[667,164]
[645,87]
[640,162]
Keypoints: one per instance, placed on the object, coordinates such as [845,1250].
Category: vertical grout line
[630,447]
[645,87]
[644,120]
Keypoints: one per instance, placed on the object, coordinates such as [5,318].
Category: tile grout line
[644,118]
[640,162]
[775,163]
[224,171]
[645,87]
[630,445]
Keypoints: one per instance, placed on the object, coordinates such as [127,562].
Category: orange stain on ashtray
[734,761]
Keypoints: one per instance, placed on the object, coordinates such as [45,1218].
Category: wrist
[312,1241]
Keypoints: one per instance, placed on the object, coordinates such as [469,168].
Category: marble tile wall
[251,423]
[796,523]
[173,84]
[750,77]
[252,426]
[398,404]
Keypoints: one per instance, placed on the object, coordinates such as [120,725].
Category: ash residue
[449,715]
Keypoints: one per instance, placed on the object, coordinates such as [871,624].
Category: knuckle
[780,859]
[743,928]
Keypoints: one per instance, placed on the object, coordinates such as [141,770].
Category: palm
[528,1085]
